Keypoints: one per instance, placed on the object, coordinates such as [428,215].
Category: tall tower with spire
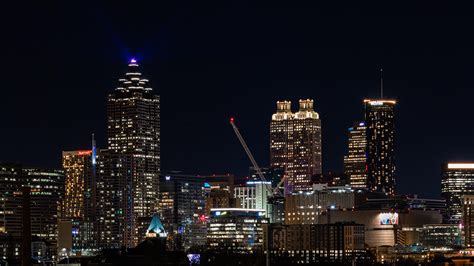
[133,138]
[380,133]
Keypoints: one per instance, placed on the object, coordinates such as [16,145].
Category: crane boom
[247,150]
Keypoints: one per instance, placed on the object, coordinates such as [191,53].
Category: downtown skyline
[201,88]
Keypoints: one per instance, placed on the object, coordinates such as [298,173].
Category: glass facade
[355,162]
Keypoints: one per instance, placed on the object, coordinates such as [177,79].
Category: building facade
[295,144]
[468,219]
[380,132]
[183,214]
[78,205]
[457,180]
[305,244]
[236,230]
[46,194]
[441,236]
[355,162]
[133,134]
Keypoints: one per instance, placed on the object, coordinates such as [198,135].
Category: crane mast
[254,163]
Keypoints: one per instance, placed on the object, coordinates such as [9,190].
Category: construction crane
[260,174]
[273,192]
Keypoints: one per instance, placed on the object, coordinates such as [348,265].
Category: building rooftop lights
[133,61]
[460,165]
[379,101]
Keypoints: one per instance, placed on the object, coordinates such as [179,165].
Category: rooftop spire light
[133,61]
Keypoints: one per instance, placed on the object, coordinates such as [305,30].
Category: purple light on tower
[133,61]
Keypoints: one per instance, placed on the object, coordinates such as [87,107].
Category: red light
[86,152]
[203,218]
[232,120]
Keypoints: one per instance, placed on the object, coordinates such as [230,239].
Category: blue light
[206,185]
[218,213]
[168,178]
[133,61]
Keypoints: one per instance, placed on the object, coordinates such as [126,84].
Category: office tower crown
[133,80]
[306,110]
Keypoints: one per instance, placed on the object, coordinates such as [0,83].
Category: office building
[457,180]
[219,191]
[295,144]
[183,214]
[468,219]
[386,227]
[355,162]
[78,205]
[306,208]
[306,244]
[236,230]
[380,132]
[273,175]
[133,137]
[46,192]
[254,195]
[441,236]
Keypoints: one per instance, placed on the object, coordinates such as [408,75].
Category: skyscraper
[457,180]
[355,162]
[380,129]
[295,143]
[78,205]
[468,219]
[133,133]
[77,166]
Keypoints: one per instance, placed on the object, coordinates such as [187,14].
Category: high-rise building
[112,200]
[457,180]
[78,205]
[468,219]
[46,193]
[182,204]
[380,130]
[355,162]
[77,167]
[295,144]
[133,133]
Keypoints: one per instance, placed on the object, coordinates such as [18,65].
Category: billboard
[388,218]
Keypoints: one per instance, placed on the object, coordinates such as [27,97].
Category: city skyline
[429,76]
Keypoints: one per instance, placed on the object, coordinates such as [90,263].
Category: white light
[460,165]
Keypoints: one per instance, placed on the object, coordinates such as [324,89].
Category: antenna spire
[381,83]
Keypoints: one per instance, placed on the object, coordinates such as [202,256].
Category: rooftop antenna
[381,83]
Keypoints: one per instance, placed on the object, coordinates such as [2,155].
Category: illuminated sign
[388,218]
[82,153]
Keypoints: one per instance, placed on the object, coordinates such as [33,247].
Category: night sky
[212,60]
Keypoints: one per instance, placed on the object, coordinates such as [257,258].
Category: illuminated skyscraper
[457,180]
[133,133]
[281,136]
[380,129]
[77,166]
[295,143]
[78,205]
[355,162]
